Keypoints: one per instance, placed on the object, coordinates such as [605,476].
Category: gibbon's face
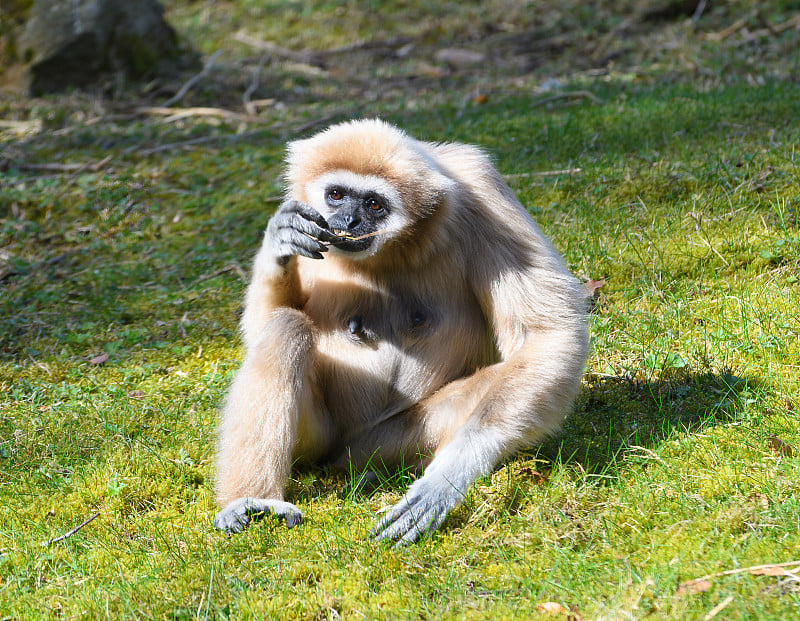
[366,209]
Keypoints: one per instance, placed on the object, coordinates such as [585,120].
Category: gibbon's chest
[371,314]
[388,344]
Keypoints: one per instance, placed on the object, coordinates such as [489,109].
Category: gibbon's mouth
[352,243]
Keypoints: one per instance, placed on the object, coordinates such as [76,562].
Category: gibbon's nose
[352,220]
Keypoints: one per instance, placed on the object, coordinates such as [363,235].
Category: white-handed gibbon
[404,308]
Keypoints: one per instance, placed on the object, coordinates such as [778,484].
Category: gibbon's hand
[422,510]
[237,514]
[297,228]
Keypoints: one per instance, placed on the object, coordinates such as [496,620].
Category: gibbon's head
[369,180]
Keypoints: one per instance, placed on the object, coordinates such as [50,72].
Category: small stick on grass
[232,267]
[545,173]
[566,95]
[70,533]
[191,82]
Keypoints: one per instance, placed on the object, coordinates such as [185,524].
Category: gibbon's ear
[370,148]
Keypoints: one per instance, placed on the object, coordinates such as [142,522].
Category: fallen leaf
[694,586]
[99,359]
[593,285]
[551,607]
[776,445]
[136,394]
[480,99]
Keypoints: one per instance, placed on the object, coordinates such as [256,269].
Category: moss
[685,203]
[13,13]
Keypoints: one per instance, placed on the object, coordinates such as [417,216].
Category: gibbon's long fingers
[308,213]
[422,528]
[319,229]
[419,513]
[296,229]
[398,514]
[288,241]
[409,521]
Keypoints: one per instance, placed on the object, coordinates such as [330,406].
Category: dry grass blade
[342,237]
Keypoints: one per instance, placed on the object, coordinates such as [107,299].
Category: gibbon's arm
[536,309]
[295,229]
[521,399]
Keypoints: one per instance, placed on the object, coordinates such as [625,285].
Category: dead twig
[242,135]
[718,608]
[59,167]
[568,95]
[783,26]
[698,12]
[249,105]
[94,167]
[303,58]
[231,267]
[70,533]
[22,128]
[545,173]
[176,114]
[192,81]
[727,32]
[317,57]
[391,44]
[342,237]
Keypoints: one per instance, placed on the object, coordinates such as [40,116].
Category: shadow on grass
[612,414]
[616,413]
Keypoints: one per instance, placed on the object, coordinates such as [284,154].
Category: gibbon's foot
[237,514]
[423,509]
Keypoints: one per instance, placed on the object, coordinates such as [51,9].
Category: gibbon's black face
[356,214]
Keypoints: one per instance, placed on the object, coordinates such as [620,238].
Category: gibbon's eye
[335,194]
[374,204]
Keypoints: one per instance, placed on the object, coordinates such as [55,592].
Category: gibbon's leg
[509,405]
[412,436]
[259,427]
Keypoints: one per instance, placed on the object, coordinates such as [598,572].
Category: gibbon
[403,308]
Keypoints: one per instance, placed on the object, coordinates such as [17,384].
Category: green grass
[685,202]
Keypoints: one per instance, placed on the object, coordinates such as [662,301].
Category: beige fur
[495,364]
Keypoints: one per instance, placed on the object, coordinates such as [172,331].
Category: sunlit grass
[679,461]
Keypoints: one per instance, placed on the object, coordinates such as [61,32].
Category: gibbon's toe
[408,522]
[235,517]
[232,520]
